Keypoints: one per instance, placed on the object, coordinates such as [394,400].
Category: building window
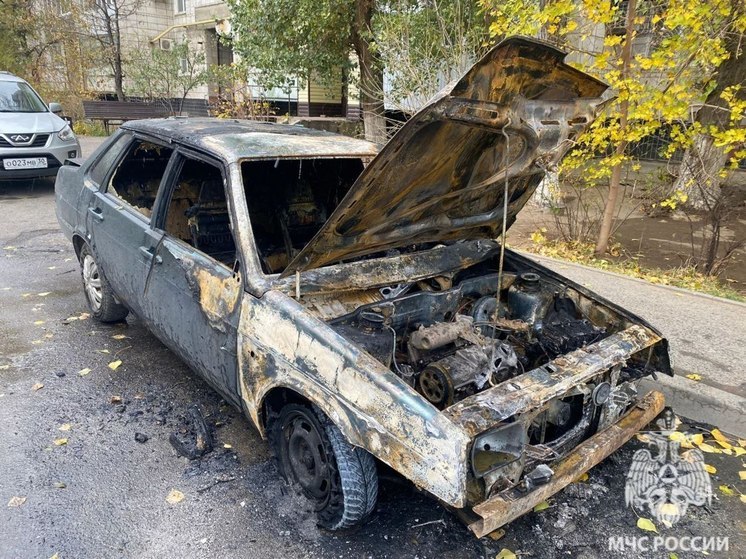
[180,6]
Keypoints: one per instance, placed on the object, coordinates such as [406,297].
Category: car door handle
[97,214]
[147,252]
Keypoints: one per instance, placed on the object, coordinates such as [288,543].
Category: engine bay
[452,338]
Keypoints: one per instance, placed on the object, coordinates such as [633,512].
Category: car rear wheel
[338,478]
[101,299]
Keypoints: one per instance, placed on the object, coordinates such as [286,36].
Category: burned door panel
[192,304]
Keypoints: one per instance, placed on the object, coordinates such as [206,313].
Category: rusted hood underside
[442,176]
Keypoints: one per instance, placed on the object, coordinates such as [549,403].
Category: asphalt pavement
[87,471]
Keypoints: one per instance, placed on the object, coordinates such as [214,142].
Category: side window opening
[290,199]
[198,211]
[138,177]
[102,166]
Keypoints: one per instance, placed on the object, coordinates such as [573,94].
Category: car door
[193,290]
[119,217]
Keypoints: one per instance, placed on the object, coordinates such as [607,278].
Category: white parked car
[34,141]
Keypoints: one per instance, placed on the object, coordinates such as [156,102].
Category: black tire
[101,298]
[339,479]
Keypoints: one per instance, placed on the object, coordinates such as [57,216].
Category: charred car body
[354,304]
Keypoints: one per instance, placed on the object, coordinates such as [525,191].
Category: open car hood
[515,113]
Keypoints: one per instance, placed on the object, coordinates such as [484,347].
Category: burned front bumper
[510,504]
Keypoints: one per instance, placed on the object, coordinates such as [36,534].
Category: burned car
[356,305]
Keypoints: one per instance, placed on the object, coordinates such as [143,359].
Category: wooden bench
[122,111]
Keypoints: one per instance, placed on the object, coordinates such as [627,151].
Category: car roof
[8,77]
[233,139]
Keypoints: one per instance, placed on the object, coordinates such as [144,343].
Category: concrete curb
[692,399]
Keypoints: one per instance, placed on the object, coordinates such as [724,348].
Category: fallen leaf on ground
[84,372]
[119,337]
[38,322]
[673,556]
[4,367]
[738,451]
[59,485]
[582,477]
[694,377]
[60,442]
[65,427]
[37,386]
[743,499]
[742,475]
[114,365]
[725,444]
[496,534]
[174,496]
[505,554]
[44,294]
[725,490]
[643,438]
[226,445]
[646,524]
[710,469]
[541,506]
[742,442]
[16,501]
[704,447]
[677,436]
[698,439]
[116,400]
[51,267]
[719,436]
[103,351]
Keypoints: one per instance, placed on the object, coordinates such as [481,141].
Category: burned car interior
[290,199]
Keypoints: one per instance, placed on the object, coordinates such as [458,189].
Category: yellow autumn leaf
[643,438]
[65,427]
[84,372]
[60,442]
[704,447]
[743,499]
[505,554]
[694,377]
[103,351]
[742,442]
[698,439]
[119,337]
[742,475]
[226,445]
[114,365]
[174,496]
[668,509]
[677,436]
[725,444]
[38,322]
[16,501]
[541,506]
[581,478]
[646,524]
[725,490]
[738,451]
[44,294]
[37,386]
[710,469]
[718,435]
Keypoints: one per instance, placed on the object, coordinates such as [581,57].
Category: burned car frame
[354,303]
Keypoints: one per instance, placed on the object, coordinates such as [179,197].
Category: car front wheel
[101,299]
[338,478]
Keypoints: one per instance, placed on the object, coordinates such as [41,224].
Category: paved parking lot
[87,488]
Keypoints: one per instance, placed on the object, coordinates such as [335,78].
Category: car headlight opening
[66,134]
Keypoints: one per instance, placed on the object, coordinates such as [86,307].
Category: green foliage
[287,38]
[167,74]
[427,44]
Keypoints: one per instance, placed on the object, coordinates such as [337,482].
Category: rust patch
[218,297]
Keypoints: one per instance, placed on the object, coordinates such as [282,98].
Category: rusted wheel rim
[92,281]
[307,458]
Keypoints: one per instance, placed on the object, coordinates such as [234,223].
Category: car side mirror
[55,108]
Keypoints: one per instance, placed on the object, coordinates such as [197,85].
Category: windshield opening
[290,199]
[18,97]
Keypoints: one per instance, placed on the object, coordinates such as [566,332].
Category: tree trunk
[548,193]
[607,223]
[699,173]
[118,74]
[371,74]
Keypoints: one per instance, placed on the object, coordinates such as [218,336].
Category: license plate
[25,163]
